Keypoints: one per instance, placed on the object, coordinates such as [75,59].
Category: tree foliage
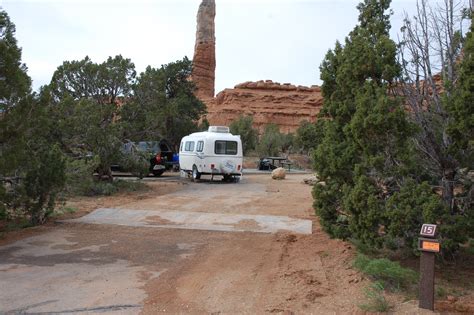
[14,82]
[32,168]
[460,127]
[436,58]
[85,79]
[271,141]
[85,98]
[163,104]
[431,45]
[307,136]
[243,126]
[79,122]
[380,163]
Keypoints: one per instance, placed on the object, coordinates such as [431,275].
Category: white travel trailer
[212,152]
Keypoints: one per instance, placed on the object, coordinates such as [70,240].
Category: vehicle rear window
[225,147]
[189,146]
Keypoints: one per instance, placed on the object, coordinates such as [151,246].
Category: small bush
[388,272]
[80,180]
[129,186]
[80,175]
[364,248]
[100,188]
[243,127]
[63,210]
[376,300]
[271,141]
[136,162]
[441,292]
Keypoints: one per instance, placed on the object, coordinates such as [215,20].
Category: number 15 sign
[428,230]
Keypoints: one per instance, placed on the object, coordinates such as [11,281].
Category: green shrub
[81,182]
[388,272]
[129,186]
[376,300]
[271,141]
[441,292]
[136,162]
[415,204]
[33,196]
[243,127]
[364,248]
[308,135]
[80,175]
[104,188]
[3,207]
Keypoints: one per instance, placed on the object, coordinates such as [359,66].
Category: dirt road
[78,267]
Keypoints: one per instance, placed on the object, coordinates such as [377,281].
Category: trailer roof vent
[220,129]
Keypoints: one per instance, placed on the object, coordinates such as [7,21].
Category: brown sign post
[428,247]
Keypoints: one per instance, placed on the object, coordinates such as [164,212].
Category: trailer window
[226,147]
[189,146]
[200,146]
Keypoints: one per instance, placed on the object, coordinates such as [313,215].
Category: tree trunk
[448,188]
[105,173]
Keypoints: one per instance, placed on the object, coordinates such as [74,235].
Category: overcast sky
[281,40]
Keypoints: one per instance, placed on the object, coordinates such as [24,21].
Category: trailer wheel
[196,174]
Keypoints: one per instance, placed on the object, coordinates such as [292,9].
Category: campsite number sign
[428,246]
[428,230]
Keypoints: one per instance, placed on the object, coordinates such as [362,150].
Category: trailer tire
[196,174]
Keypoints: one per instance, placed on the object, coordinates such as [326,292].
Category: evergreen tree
[163,105]
[271,141]
[307,136]
[14,82]
[84,99]
[461,110]
[364,130]
[379,187]
[243,126]
[30,162]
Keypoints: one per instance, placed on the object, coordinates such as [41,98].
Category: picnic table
[282,161]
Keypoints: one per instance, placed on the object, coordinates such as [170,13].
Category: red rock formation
[267,102]
[204,61]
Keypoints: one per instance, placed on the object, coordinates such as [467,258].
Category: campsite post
[428,246]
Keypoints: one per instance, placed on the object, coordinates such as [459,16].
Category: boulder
[279,173]
[312,180]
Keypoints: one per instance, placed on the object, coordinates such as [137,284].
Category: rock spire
[204,61]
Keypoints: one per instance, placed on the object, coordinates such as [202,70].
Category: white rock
[279,173]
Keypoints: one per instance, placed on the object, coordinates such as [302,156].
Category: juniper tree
[379,186]
[163,104]
[85,98]
[243,126]
[364,130]
[14,82]
[30,161]
[437,89]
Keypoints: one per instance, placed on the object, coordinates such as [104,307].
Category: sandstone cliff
[267,102]
[204,61]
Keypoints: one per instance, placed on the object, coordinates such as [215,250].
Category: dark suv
[160,154]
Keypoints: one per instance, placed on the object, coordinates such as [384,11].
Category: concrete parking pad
[87,269]
[197,221]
